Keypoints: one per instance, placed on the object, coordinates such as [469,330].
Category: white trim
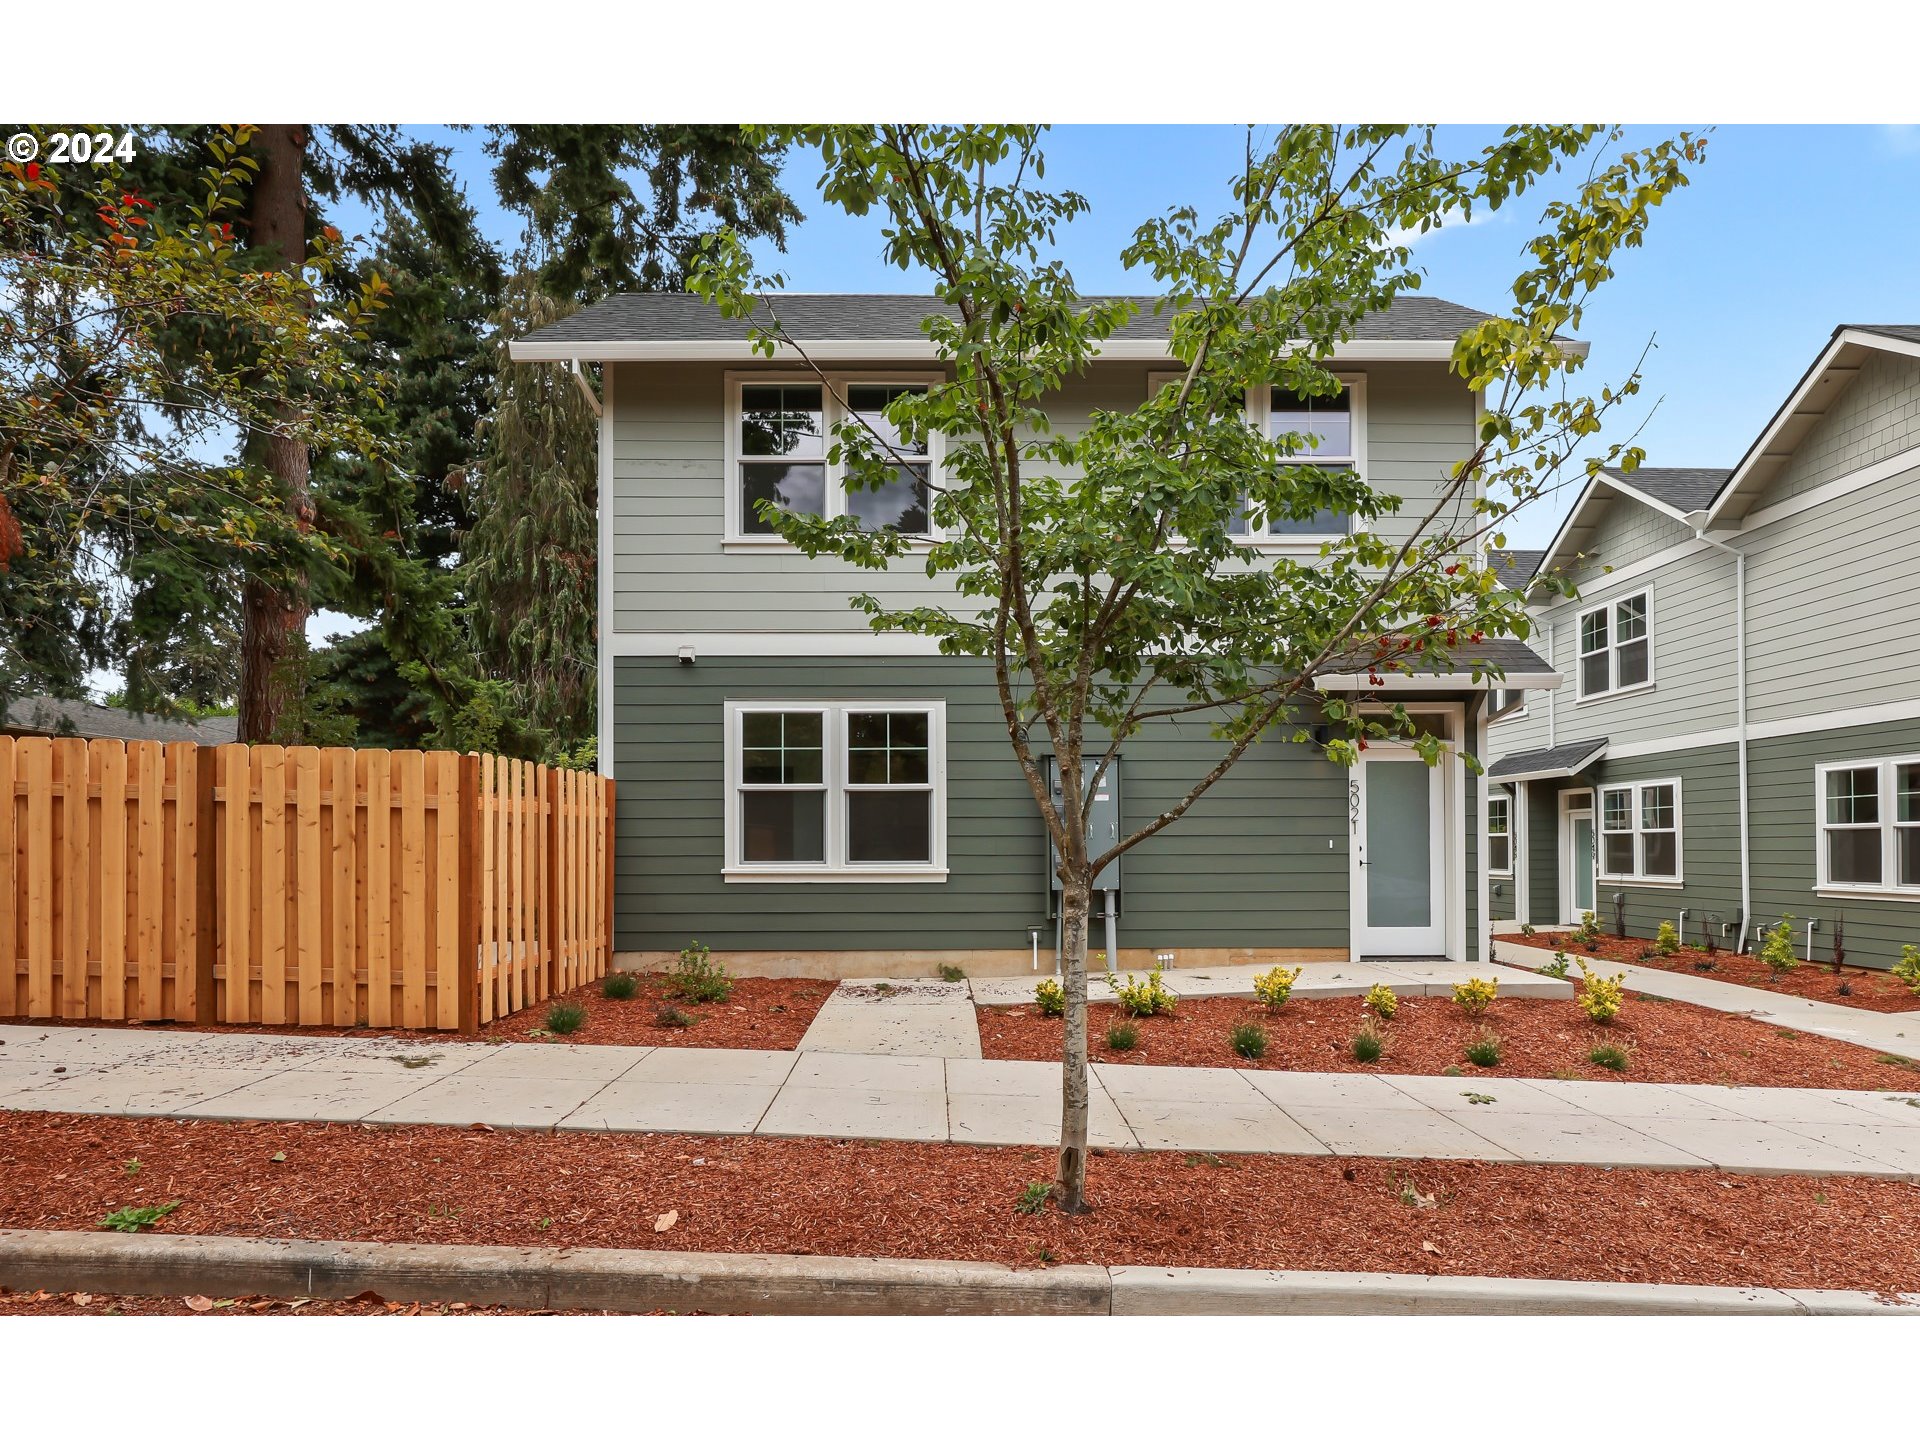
[1569,906]
[772,644]
[923,349]
[605,564]
[1441,680]
[1638,875]
[1881,470]
[1451,821]
[1523,864]
[1489,801]
[836,868]
[1626,574]
[1698,740]
[1887,824]
[1259,410]
[1611,649]
[1896,897]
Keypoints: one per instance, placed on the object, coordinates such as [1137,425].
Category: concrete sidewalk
[198,1075]
[1895,1034]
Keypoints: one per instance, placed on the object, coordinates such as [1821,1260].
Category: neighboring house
[43,715]
[1738,736]
[805,795]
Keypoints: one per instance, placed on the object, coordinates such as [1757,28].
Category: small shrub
[951,973]
[1474,996]
[1556,967]
[1248,1041]
[620,985]
[1528,931]
[1601,997]
[564,1017]
[1839,942]
[1484,1048]
[1051,999]
[1453,1071]
[1588,933]
[698,977]
[1275,987]
[672,1017]
[1369,1043]
[1143,997]
[1123,1037]
[1382,1002]
[1706,935]
[1610,1057]
[1033,1198]
[1776,947]
[1907,969]
[1706,964]
[132,1219]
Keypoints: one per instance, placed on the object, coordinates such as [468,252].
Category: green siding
[1260,861]
[1543,852]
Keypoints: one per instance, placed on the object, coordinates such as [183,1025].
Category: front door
[1399,896]
[1577,855]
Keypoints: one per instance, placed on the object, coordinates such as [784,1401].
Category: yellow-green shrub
[1666,939]
[1382,1001]
[1776,947]
[1601,997]
[1051,999]
[1907,970]
[1144,996]
[1275,988]
[1474,996]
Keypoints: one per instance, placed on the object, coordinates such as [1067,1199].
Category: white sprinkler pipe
[1812,925]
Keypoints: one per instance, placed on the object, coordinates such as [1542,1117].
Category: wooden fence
[296,886]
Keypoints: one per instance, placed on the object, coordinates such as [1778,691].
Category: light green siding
[1877,416]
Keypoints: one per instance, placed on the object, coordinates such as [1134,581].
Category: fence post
[549,875]
[206,901]
[467,975]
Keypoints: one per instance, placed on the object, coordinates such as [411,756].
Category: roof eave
[918,348]
[1455,680]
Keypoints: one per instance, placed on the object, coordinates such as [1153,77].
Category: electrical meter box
[1103,823]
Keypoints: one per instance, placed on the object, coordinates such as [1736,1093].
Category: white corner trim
[605,563]
[769,644]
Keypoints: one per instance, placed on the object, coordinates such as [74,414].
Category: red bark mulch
[760,1014]
[832,1197]
[1866,989]
[81,1302]
[1668,1042]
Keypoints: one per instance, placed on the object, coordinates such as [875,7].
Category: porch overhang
[1482,665]
[1561,762]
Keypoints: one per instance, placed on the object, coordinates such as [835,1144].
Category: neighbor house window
[1640,831]
[780,434]
[1870,824]
[852,790]
[1616,648]
[1499,835]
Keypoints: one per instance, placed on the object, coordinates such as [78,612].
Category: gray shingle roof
[1559,760]
[1685,489]
[1504,653]
[1892,332]
[1514,568]
[669,316]
[43,715]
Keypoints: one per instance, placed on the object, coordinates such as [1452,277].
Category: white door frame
[1449,838]
[1569,915]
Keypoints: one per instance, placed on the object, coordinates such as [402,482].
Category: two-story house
[805,795]
[1738,734]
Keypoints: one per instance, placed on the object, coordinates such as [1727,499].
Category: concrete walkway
[1894,1034]
[198,1075]
[1319,980]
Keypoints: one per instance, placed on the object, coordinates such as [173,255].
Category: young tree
[1096,570]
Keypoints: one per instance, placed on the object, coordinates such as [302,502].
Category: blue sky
[1785,232]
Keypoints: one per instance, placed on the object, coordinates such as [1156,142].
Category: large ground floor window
[1640,831]
[842,790]
[1870,824]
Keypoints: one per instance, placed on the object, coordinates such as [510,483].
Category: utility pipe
[1812,925]
[1113,934]
[1697,520]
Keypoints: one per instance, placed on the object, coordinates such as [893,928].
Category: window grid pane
[1616,810]
[1853,796]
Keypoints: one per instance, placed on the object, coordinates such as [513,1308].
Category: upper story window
[1335,423]
[1616,645]
[1640,831]
[1870,824]
[1507,703]
[1499,834]
[779,430]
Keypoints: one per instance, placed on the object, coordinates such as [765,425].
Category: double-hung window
[1328,432]
[1640,831]
[1500,834]
[1870,825]
[780,434]
[836,791]
[1616,645]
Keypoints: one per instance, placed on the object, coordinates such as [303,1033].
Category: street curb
[638,1281]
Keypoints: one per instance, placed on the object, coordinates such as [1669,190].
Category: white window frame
[1638,875]
[1504,800]
[1886,768]
[832,413]
[1612,648]
[1259,405]
[835,867]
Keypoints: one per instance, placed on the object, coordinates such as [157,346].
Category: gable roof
[1678,490]
[675,326]
[44,715]
[1513,568]
[1552,763]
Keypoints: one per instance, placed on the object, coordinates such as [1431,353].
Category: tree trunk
[274,608]
[1070,1185]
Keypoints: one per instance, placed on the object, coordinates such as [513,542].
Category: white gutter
[1698,519]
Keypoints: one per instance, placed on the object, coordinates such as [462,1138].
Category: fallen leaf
[1429,1247]
[278,1157]
[81,1297]
[666,1222]
[199,1304]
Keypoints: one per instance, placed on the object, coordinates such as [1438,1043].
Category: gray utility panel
[1103,824]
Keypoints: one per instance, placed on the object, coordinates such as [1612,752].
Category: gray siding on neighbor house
[1627,533]
[1261,861]
[1878,415]
[671,571]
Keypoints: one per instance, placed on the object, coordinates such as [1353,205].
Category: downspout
[1698,520]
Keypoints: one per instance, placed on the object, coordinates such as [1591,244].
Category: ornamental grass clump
[1474,996]
[1484,1048]
[1249,1041]
[620,985]
[1123,1037]
[1776,947]
[1274,988]
[1601,997]
[1369,1042]
[1610,1057]
[1051,999]
[672,1017]
[1666,940]
[1145,996]
[1382,1002]
[564,1017]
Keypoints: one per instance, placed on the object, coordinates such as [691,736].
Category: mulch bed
[1668,1042]
[80,1302]
[824,1197]
[760,1014]
[1866,989]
